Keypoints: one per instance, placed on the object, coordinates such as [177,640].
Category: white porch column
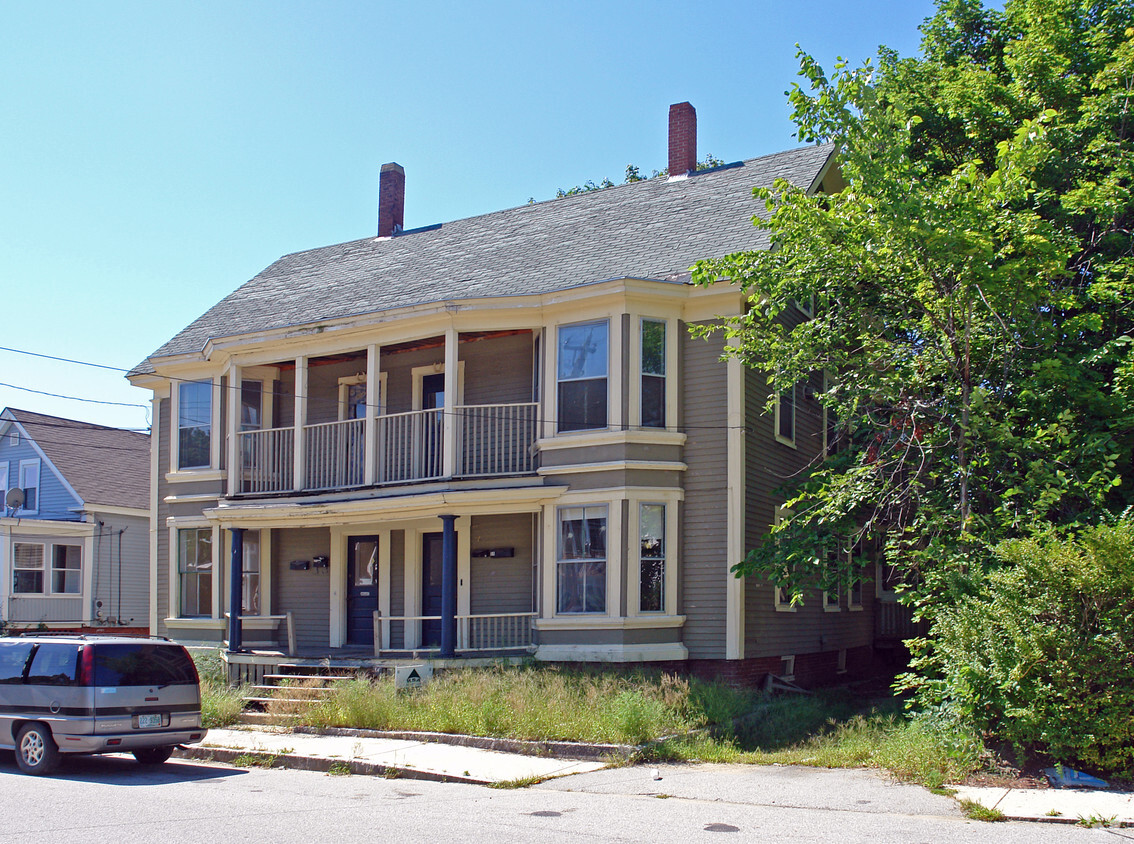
[449,419]
[373,398]
[233,419]
[300,448]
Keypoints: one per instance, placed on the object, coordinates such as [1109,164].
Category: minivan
[84,693]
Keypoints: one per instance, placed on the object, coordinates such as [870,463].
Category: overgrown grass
[830,730]
[221,704]
[537,703]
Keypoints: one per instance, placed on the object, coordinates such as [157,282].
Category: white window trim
[636,374]
[348,381]
[216,434]
[787,665]
[44,568]
[3,487]
[779,409]
[611,499]
[837,606]
[49,568]
[38,483]
[669,589]
[613,389]
[852,605]
[779,603]
[174,613]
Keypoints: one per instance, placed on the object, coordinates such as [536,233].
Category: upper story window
[785,415]
[3,487]
[194,424]
[29,483]
[653,373]
[251,405]
[583,366]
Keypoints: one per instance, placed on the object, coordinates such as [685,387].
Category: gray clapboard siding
[37,608]
[704,557]
[397,586]
[121,574]
[501,584]
[498,370]
[305,594]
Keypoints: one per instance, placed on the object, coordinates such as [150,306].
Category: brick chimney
[682,139]
[391,199]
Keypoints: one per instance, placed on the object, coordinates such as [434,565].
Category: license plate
[148,721]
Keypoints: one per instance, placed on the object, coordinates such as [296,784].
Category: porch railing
[496,439]
[336,454]
[480,632]
[267,460]
[491,439]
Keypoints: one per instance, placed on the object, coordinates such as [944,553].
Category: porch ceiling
[468,502]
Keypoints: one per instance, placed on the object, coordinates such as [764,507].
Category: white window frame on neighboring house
[780,599]
[65,570]
[563,381]
[28,469]
[18,567]
[3,488]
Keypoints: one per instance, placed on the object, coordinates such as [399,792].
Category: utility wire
[73,398]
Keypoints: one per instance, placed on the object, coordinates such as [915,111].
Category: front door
[362,589]
[431,588]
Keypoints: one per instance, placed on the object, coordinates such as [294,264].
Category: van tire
[152,755]
[36,751]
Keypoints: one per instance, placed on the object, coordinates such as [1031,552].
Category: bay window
[195,571]
[582,372]
[653,373]
[651,584]
[581,560]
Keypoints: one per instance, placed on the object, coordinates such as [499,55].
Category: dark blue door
[362,588]
[431,588]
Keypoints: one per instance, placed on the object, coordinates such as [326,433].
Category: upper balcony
[449,407]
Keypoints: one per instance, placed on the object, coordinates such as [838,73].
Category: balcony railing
[493,439]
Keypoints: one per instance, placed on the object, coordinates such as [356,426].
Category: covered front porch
[459,585]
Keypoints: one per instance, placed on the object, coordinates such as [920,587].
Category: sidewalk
[384,757]
[760,785]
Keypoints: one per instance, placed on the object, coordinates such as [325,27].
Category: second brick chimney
[391,199]
[682,139]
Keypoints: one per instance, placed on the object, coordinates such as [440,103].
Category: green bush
[1043,656]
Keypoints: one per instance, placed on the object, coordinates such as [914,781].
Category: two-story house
[495,435]
[74,526]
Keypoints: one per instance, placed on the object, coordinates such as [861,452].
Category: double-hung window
[29,483]
[250,574]
[785,416]
[651,584]
[66,569]
[27,568]
[194,424]
[195,571]
[583,364]
[653,373]
[581,560]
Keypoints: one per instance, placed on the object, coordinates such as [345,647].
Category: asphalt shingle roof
[654,229]
[107,466]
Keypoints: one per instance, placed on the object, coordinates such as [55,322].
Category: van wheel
[152,755]
[36,751]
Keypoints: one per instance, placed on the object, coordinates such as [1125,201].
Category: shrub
[1042,657]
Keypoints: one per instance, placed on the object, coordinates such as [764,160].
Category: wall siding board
[501,584]
[161,567]
[121,575]
[397,585]
[703,551]
[303,593]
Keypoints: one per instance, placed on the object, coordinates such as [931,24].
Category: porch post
[235,590]
[373,399]
[450,420]
[234,405]
[300,445]
[448,587]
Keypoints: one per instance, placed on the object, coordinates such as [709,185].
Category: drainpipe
[448,588]
[235,588]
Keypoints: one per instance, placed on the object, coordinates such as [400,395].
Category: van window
[13,660]
[142,664]
[54,665]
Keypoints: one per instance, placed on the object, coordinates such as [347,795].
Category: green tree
[973,284]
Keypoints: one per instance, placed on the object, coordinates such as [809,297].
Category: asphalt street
[112,799]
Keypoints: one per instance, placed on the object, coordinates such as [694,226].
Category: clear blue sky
[154,156]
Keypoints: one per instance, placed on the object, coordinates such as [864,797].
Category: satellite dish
[14,498]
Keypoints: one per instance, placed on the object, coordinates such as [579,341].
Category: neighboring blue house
[74,538]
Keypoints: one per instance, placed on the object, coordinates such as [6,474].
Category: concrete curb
[557,749]
[316,763]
